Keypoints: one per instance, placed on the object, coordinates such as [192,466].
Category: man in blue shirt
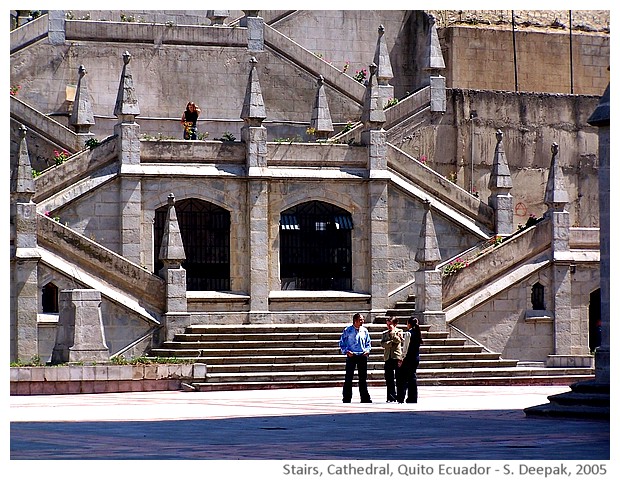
[355,344]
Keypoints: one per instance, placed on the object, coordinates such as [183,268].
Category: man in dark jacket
[411,351]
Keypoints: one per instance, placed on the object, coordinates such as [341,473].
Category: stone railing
[316,155]
[56,178]
[494,262]
[45,126]
[155,33]
[307,60]
[439,186]
[71,379]
[124,275]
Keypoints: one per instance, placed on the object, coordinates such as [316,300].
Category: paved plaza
[303,429]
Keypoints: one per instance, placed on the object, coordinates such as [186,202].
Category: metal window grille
[315,247]
[205,230]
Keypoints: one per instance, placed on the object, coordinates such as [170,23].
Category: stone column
[24,259]
[434,64]
[82,117]
[217,17]
[500,184]
[172,254]
[255,26]
[321,121]
[374,138]
[56,27]
[80,336]
[600,119]
[128,137]
[567,336]
[428,282]
[254,135]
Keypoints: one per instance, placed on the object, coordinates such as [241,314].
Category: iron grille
[315,247]
[205,230]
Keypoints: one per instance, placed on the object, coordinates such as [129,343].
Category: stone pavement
[303,429]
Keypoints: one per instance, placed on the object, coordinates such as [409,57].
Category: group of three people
[401,356]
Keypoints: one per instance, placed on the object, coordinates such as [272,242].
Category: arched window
[315,247]
[49,297]
[538,297]
[205,230]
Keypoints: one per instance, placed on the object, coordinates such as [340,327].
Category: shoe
[412,401]
[346,401]
[391,401]
[366,401]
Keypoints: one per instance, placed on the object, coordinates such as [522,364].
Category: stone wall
[549,61]
[71,379]
[530,123]
[503,325]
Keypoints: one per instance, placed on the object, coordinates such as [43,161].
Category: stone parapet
[46,126]
[317,66]
[70,379]
[586,361]
[29,33]
[189,151]
[95,257]
[155,33]
[68,174]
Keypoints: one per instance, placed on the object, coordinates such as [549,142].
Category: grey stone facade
[104,201]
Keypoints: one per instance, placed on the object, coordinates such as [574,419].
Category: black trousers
[408,384]
[393,377]
[361,363]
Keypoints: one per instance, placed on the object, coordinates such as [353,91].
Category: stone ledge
[570,361]
[68,379]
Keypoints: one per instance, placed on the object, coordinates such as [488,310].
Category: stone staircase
[266,356]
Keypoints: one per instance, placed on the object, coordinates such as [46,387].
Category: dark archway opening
[205,230]
[49,298]
[315,247]
[594,320]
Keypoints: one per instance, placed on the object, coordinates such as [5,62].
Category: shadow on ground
[445,435]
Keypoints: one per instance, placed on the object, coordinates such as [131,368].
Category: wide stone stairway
[264,356]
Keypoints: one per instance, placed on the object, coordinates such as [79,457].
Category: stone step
[186,351]
[434,378]
[303,366]
[338,359]
[278,343]
[284,337]
[437,381]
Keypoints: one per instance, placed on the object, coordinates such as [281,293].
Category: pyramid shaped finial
[321,120]
[171,251]
[428,254]
[82,117]
[126,106]
[22,183]
[253,111]
[500,179]
[556,196]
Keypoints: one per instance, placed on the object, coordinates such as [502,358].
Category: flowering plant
[360,75]
[15,89]
[454,266]
[60,157]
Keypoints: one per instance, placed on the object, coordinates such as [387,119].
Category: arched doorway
[205,230]
[315,247]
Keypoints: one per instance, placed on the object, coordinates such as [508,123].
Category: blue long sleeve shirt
[356,341]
